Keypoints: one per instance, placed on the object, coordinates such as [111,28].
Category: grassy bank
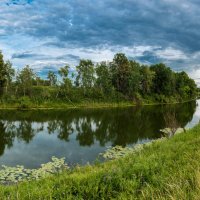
[27,104]
[168,169]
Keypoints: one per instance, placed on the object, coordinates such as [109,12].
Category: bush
[24,103]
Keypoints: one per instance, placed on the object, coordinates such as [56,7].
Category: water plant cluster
[11,175]
[119,151]
[166,169]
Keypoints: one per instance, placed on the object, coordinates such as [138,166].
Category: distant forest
[119,80]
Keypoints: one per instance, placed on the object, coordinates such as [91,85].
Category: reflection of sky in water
[196,116]
[51,146]
[80,137]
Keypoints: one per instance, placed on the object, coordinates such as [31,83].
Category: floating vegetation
[169,132]
[118,151]
[11,175]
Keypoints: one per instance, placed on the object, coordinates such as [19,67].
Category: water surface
[31,138]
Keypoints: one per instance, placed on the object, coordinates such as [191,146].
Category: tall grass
[168,169]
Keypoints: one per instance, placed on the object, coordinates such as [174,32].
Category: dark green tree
[120,69]
[164,80]
[147,77]
[2,74]
[134,79]
[185,86]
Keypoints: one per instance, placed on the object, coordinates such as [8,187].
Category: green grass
[167,169]
[62,105]
[73,105]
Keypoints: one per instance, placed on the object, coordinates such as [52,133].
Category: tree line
[119,80]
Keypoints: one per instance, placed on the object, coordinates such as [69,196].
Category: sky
[48,34]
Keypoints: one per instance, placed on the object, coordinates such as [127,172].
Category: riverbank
[168,169]
[28,105]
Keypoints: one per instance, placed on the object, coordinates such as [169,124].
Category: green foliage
[120,73]
[166,169]
[52,78]
[6,74]
[164,80]
[121,80]
[147,77]
[85,74]
[134,79]
[104,78]
[66,81]
[24,103]
[25,80]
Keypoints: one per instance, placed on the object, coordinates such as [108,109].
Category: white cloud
[171,54]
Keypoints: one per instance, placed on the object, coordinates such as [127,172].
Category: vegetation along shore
[106,84]
[166,169]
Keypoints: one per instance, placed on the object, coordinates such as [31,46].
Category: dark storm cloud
[28,55]
[90,26]
[91,23]
[69,56]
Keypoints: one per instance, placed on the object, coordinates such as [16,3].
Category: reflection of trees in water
[62,128]
[85,129]
[119,126]
[6,136]
[23,131]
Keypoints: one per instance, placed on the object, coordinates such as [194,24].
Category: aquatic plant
[119,151]
[10,175]
[169,132]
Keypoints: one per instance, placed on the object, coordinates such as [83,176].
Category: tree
[2,74]
[64,72]
[52,78]
[185,86]
[25,79]
[147,77]
[9,74]
[134,78]
[85,74]
[104,79]
[120,73]
[164,79]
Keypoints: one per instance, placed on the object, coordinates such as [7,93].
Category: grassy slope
[67,105]
[168,169]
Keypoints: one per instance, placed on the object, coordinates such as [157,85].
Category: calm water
[31,138]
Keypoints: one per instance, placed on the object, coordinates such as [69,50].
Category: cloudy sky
[47,34]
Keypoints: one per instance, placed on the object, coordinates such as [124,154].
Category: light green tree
[85,74]
[104,79]
[64,73]
[52,78]
[9,75]
[25,79]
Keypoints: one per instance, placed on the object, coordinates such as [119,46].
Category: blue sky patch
[49,33]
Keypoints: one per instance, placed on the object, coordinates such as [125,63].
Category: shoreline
[64,106]
[151,170]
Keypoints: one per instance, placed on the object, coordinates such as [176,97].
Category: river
[31,138]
